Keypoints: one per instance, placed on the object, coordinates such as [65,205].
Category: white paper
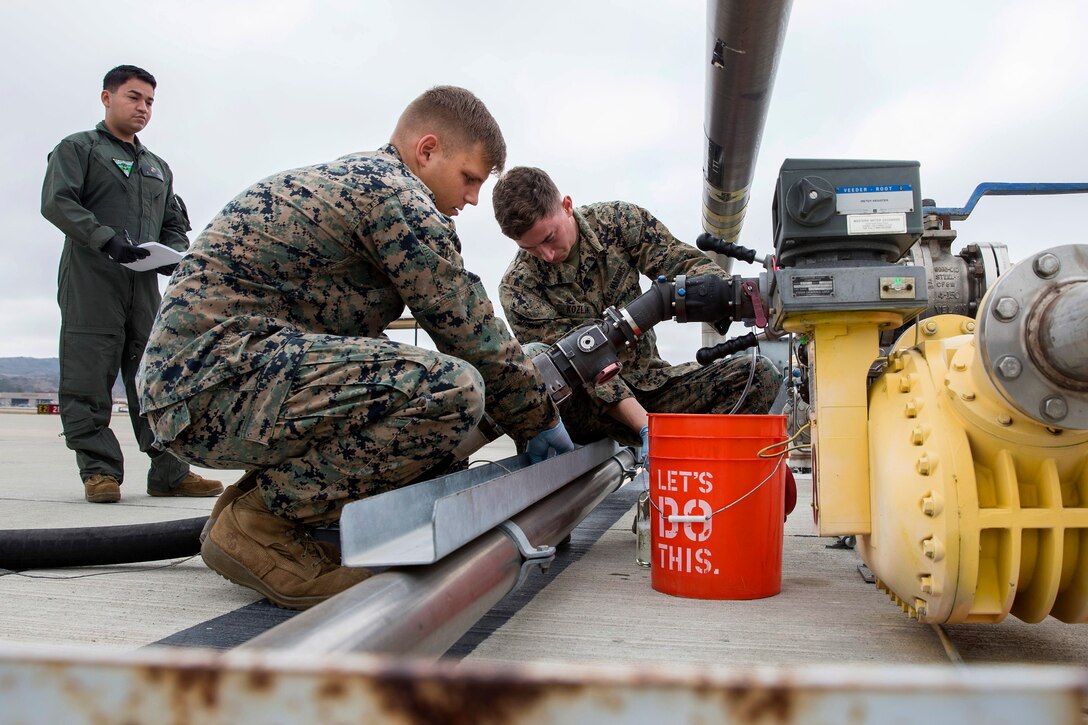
[161,255]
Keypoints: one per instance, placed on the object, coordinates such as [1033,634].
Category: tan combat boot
[246,483]
[251,546]
[193,486]
[101,488]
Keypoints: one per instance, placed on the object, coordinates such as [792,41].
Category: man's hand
[120,249]
[167,269]
[645,450]
[549,442]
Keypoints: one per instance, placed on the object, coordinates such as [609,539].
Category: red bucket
[717,508]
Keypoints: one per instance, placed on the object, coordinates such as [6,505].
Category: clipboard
[161,255]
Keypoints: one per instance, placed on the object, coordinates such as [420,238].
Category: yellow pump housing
[965,473]
[978,510]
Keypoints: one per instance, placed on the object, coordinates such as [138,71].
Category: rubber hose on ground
[99,545]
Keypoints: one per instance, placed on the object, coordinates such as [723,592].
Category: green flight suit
[618,242]
[96,186]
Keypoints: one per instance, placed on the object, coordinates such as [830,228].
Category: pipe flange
[1010,311]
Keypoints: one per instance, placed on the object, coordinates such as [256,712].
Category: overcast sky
[607,96]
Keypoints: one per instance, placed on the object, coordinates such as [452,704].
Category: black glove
[121,249]
[167,269]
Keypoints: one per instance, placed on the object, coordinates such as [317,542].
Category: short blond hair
[459,118]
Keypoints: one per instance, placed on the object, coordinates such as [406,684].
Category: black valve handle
[707,355]
[710,243]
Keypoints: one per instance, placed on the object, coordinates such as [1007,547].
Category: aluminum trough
[421,523]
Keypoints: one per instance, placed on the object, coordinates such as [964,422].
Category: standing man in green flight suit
[572,264]
[108,194]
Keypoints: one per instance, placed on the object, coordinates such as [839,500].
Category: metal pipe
[1063,333]
[744,41]
[1032,337]
[422,611]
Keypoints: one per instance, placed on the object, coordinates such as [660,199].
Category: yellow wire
[788,449]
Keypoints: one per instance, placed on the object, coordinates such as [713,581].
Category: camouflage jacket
[337,248]
[616,243]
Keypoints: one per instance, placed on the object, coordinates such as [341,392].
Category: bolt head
[1047,265]
[1009,367]
[1055,407]
[1006,309]
[930,327]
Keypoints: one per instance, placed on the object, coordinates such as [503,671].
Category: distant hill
[29,374]
[36,375]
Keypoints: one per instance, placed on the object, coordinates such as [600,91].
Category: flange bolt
[1047,265]
[1006,309]
[1055,407]
[1009,367]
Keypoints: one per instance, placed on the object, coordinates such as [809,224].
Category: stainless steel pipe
[744,41]
[422,611]
[1063,332]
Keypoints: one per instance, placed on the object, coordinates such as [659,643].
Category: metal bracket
[628,474]
[541,556]
[527,549]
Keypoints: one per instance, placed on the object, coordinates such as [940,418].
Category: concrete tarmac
[599,607]
[122,606]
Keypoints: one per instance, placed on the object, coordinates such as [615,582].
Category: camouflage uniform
[267,351]
[616,242]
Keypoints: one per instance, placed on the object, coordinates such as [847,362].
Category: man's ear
[426,148]
[105,98]
[568,205]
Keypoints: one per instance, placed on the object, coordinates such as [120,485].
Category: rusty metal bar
[183,686]
[423,610]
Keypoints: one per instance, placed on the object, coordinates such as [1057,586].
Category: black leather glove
[167,269]
[120,249]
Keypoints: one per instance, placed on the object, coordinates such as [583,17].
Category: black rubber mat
[231,629]
[582,538]
[241,625]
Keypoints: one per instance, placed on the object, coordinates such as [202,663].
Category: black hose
[650,308]
[99,545]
